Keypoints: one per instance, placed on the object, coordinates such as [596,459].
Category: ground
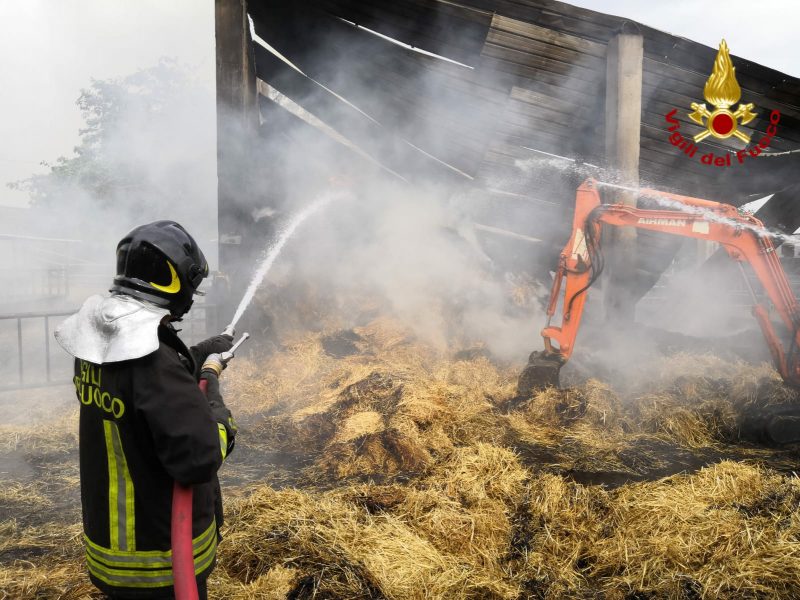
[370,464]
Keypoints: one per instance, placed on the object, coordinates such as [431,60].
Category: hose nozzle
[226,356]
[229,330]
[217,362]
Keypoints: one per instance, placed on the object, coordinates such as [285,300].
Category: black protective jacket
[145,424]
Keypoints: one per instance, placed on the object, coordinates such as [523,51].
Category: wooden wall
[530,76]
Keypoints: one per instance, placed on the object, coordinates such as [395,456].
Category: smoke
[409,253]
[422,232]
[413,232]
[700,303]
[409,237]
[147,152]
[402,236]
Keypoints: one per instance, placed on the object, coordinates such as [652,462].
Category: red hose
[183,576]
[182,551]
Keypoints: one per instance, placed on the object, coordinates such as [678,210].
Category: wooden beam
[506,233]
[623,129]
[236,85]
[237,124]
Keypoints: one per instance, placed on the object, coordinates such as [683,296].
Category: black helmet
[160,262]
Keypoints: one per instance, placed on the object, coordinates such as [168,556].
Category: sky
[53,48]
[764,32]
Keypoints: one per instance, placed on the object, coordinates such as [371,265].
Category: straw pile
[42,561]
[485,527]
[445,538]
[369,465]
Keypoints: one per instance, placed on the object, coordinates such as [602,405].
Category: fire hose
[183,574]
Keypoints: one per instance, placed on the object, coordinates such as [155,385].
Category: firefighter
[144,423]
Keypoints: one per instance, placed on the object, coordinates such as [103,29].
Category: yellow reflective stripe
[130,512]
[129,578]
[113,489]
[223,440]
[204,560]
[121,509]
[135,559]
[202,540]
[146,576]
[148,559]
[199,544]
[174,285]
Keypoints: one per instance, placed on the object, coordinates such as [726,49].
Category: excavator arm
[580,263]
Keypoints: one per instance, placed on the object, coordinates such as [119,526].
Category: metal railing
[21,362]
[200,320]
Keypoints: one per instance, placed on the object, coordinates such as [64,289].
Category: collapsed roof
[507,99]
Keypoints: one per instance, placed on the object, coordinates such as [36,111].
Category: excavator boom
[743,236]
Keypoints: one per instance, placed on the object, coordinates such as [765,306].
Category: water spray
[566,163]
[272,253]
[707,214]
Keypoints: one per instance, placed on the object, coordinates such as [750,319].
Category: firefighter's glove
[213,345]
[219,411]
[213,364]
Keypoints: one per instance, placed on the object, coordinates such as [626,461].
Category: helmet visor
[148,264]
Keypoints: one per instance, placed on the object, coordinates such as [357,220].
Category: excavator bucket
[541,372]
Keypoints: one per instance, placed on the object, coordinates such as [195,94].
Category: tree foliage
[126,124]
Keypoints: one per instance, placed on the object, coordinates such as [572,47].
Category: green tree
[127,122]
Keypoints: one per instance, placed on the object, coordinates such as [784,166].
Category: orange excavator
[742,235]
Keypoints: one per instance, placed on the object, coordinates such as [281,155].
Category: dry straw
[417,475]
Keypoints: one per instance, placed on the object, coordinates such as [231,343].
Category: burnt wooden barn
[513,103]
